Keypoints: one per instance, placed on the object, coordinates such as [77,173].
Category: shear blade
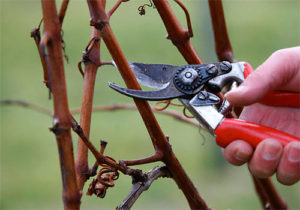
[169,92]
[156,76]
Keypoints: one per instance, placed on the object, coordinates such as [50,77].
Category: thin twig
[151,159]
[270,197]
[222,41]
[28,105]
[113,107]
[114,8]
[93,170]
[62,11]
[188,19]
[139,187]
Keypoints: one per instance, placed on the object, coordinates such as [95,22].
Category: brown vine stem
[81,161]
[99,19]
[62,11]
[61,16]
[268,194]
[151,159]
[91,60]
[114,8]
[176,33]
[222,42]
[35,34]
[62,116]
[265,189]
[262,194]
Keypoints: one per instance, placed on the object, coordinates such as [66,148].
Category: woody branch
[91,63]
[62,119]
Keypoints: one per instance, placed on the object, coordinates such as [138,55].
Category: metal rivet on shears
[188,75]
[202,95]
[212,69]
[225,66]
[213,98]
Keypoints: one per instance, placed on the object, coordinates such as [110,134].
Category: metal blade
[163,94]
[156,76]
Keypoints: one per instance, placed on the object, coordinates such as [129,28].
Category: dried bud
[142,11]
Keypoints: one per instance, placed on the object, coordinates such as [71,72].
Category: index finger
[279,72]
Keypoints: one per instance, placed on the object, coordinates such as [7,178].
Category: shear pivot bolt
[188,75]
[187,79]
[212,69]
[225,66]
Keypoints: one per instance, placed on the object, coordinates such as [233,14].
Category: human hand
[281,71]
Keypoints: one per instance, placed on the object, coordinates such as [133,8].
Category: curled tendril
[185,114]
[142,10]
[167,104]
[104,180]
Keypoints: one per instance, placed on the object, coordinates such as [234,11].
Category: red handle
[281,98]
[234,129]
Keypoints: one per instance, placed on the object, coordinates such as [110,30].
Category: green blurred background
[30,174]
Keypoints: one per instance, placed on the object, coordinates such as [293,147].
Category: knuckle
[235,154]
[290,63]
[281,54]
[287,179]
[260,171]
[263,173]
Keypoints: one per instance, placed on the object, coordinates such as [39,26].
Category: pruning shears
[196,85]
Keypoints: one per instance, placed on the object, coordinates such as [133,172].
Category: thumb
[279,72]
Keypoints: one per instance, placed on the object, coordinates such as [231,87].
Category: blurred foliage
[30,174]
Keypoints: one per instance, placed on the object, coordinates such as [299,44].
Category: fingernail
[271,150]
[242,155]
[294,154]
